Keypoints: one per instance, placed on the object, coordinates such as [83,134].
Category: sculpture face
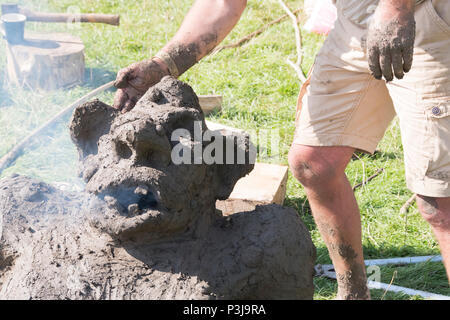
[127,161]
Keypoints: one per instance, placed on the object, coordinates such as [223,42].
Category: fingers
[120,99]
[389,62]
[386,64]
[129,105]
[122,78]
[397,62]
[408,50]
[407,55]
[126,96]
[125,99]
[374,62]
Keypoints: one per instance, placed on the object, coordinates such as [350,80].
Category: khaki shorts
[343,105]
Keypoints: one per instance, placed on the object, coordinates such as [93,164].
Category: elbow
[238,6]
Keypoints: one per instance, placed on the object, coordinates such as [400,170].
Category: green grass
[260,91]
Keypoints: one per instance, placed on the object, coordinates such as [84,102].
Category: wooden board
[210,103]
[223,128]
[266,184]
[46,61]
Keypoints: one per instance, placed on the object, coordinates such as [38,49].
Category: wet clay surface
[146,228]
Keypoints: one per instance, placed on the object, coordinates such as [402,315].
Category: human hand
[390,39]
[133,81]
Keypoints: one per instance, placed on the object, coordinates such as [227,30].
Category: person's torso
[360,11]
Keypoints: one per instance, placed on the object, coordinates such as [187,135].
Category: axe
[111,19]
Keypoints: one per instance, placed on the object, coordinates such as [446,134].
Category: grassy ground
[260,91]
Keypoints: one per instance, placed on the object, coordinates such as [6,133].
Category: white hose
[327,270]
[406,260]
[408,291]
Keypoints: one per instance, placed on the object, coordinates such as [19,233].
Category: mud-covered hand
[390,39]
[132,82]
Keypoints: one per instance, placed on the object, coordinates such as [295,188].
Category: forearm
[205,26]
[390,8]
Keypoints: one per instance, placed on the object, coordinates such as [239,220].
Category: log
[46,61]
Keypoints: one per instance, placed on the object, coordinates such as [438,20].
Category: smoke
[50,157]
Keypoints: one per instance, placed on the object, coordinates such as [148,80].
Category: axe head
[13,25]
[10,8]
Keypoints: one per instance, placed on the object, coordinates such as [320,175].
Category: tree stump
[46,61]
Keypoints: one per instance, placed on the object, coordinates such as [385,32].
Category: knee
[317,165]
[436,211]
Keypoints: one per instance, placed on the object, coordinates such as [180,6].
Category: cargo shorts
[342,104]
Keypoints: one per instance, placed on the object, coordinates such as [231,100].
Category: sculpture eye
[151,154]
[123,150]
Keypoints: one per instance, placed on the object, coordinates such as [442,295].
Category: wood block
[266,184]
[46,61]
[210,103]
[222,128]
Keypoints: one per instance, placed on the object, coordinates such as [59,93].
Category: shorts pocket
[438,110]
[434,16]
[357,11]
[438,118]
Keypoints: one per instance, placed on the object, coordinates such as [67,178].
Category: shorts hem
[342,140]
[428,189]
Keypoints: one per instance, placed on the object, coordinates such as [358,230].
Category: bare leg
[436,211]
[321,170]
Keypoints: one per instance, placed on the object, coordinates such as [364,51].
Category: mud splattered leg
[321,170]
[436,211]
[340,226]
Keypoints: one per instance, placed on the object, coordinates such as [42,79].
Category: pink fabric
[322,18]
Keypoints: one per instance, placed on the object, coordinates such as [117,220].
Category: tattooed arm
[205,26]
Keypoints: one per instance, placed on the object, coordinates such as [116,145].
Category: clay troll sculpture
[147,228]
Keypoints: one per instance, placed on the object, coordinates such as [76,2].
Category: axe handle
[111,19]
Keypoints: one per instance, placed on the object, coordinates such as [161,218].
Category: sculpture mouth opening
[132,201]
[148,202]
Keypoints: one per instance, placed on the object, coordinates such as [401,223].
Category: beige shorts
[343,105]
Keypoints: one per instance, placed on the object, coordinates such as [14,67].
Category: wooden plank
[266,184]
[210,103]
[223,128]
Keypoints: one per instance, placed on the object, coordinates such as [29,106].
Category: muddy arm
[204,27]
